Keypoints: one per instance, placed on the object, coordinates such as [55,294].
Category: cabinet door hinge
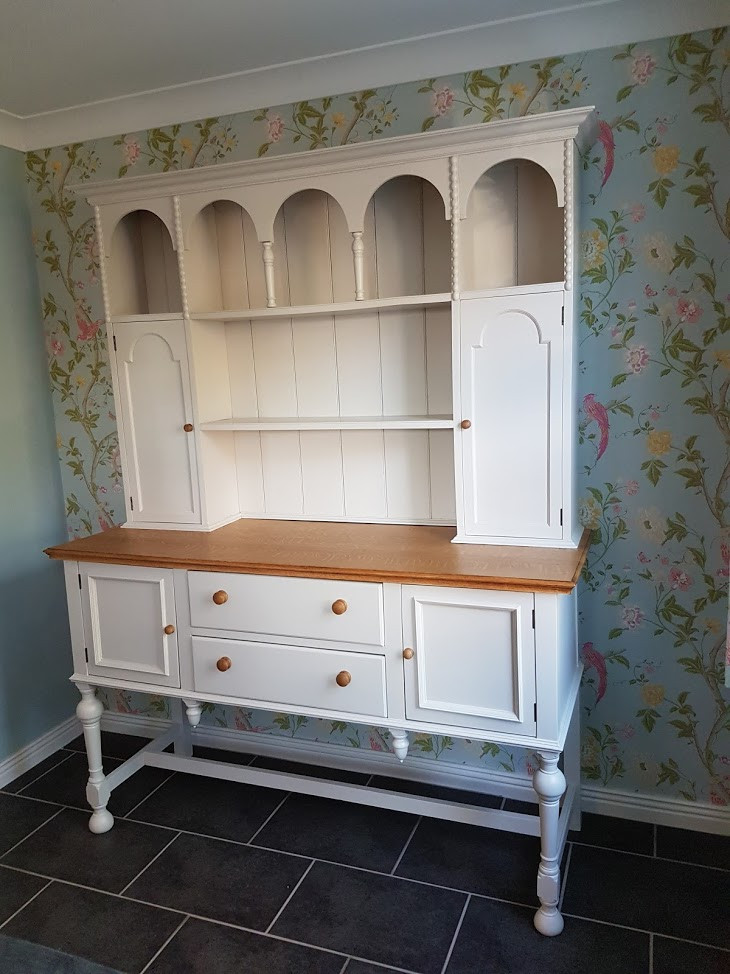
[114,342]
[533,618]
[79,579]
[131,504]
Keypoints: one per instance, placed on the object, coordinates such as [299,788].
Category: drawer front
[301,608]
[291,676]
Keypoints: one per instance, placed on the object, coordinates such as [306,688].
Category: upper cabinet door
[511,372]
[129,622]
[154,388]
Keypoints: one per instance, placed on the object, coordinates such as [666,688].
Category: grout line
[167,846]
[502,804]
[651,951]
[654,837]
[344,966]
[456,934]
[143,800]
[565,876]
[666,936]
[12,847]
[158,952]
[20,908]
[20,791]
[648,855]
[264,824]
[289,897]
[407,843]
[368,783]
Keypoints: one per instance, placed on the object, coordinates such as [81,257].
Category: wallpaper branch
[654,427]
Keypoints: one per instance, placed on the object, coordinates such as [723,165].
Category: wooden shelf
[339,307]
[332,423]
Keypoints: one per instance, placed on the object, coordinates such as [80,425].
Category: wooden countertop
[408,554]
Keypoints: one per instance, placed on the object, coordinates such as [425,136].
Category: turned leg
[400,743]
[89,711]
[193,709]
[549,783]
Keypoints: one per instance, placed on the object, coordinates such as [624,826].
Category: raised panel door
[126,612]
[154,387]
[511,372]
[473,662]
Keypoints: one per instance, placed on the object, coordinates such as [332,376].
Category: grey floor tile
[322,828]
[19,817]
[615,833]
[311,770]
[119,746]
[40,769]
[362,967]
[677,899]
[23,957]
[208,948]
[101,928]
[223,809]
[64,848]
[376,918]
[498,938]
[697,847]
[675,957]
[15,890]
[217,754]
[436,791]
[220,880]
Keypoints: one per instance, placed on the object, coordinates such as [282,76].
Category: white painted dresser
[322,363]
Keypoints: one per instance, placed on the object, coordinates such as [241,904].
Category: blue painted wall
[35,654]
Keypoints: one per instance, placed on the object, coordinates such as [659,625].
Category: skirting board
[38,750]
[659,810]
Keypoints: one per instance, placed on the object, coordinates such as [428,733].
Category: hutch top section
[405,554]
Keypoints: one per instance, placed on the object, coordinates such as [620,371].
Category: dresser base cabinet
[485,662]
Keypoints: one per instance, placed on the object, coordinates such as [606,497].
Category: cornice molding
[603,23]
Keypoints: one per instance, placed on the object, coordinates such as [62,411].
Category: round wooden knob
[188,427]
[466,424]
[223,664]
[169,630]
[338,607]
[342,678]
[220,597]
[407,654]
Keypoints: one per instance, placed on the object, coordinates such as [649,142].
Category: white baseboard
[38,750]
[655,809]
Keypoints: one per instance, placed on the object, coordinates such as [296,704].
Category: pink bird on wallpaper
[594,410]
[605,137]
[595,661]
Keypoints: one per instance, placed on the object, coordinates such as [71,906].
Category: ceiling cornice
[604,23]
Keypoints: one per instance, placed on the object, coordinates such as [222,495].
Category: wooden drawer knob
[466,424]
[220,598]
[407,654]
[338,607]
[342,678]
[223,664]
[169,630]
[188,427]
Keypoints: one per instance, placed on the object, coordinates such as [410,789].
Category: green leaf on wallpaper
[489,749]
[427,123]
[619,379]
[672,78]
[615,633]
[624,92]
[263,149]
[648,718]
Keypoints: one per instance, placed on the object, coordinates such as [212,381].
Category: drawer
[301,608]
[291,676]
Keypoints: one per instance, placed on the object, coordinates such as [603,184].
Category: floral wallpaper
[654,378]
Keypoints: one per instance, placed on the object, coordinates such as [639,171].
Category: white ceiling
[168,60]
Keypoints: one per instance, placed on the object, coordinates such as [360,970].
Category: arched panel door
[512,389]
[152,366]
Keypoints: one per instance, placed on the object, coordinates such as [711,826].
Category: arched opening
[407,240]
[143,276]
[513,233]
[223,266]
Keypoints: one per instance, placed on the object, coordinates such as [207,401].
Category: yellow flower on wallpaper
[652,694]
[723,357]
[518,90]
[186,145]
[56,165]
[593,248]
[666,158]
[658,443]
[338,119]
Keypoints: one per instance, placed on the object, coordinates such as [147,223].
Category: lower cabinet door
[128,613]
[473,663]
[291,676]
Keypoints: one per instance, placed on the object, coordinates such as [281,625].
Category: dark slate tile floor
[200,876]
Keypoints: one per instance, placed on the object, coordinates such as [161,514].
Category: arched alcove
[410,249]
[143,272]
[513,233]
[223,265]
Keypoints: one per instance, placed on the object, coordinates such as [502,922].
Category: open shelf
[332,423]
[317,310]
